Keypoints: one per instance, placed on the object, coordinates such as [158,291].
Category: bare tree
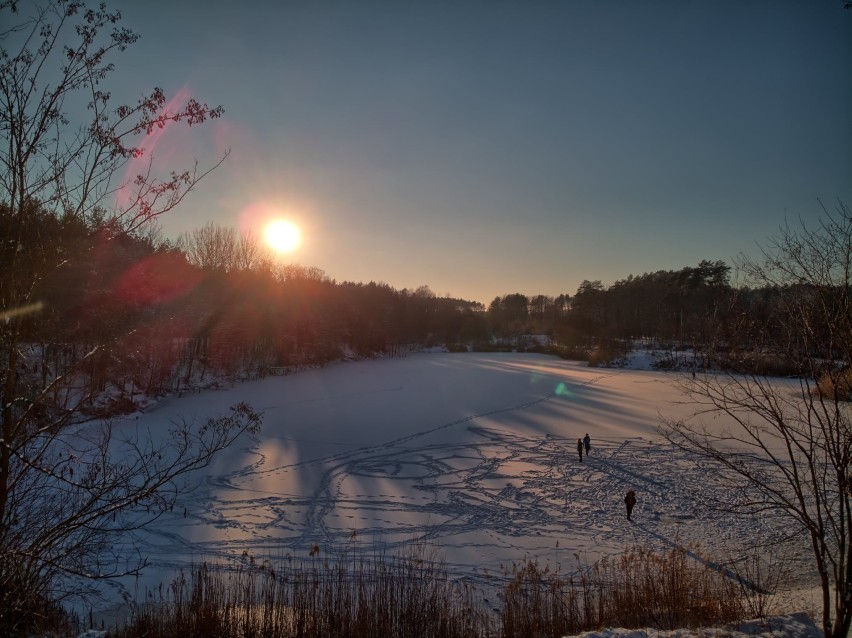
[210,247]
[251,254]
[73,492]
[223,249]
[72,163]
[791,448]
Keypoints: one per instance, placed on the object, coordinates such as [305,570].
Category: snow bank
[792,626]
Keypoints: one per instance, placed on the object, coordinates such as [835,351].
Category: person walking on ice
[587,442]
[580,449]
[629,502]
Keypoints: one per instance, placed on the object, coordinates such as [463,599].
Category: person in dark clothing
[630,501]
[580,449]
[587,442]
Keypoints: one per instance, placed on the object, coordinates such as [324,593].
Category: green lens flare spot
[563,391]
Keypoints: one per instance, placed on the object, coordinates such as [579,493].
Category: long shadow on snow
[745,582]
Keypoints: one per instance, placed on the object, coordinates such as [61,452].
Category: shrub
[411,595]
[25,613]
[638,589]
[835,385]
[405,595]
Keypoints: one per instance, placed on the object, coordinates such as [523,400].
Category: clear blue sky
[484,148]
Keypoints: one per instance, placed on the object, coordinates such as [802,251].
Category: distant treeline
[163,315]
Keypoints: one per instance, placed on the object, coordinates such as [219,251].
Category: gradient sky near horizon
[490,147]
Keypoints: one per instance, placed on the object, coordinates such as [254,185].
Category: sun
[282,236]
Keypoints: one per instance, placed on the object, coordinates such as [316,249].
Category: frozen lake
[474,454]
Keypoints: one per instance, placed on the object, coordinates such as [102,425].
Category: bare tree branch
[792,444]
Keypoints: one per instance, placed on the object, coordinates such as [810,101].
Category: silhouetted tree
[792,448]
[64,150]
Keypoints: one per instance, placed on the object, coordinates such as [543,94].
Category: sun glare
[282,236]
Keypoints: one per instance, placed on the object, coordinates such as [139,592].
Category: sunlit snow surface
[475,454]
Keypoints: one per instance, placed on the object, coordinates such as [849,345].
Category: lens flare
[562,390]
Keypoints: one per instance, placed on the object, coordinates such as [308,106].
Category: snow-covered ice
[474,454]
